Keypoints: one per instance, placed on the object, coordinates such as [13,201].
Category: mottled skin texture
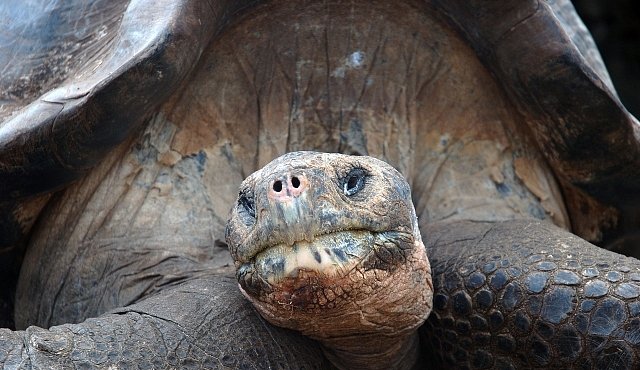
[366,305]
[178,330]
[542,298]
[119,166]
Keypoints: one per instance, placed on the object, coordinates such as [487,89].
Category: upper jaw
[301,222]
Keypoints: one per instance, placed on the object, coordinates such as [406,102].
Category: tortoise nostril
[277,186]
[295,182]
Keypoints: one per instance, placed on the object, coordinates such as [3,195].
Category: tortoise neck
[373,351]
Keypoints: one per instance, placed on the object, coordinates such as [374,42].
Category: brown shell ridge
[58,135]
[587,136]
[69,129]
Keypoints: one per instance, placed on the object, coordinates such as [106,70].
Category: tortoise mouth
[329,256]
[323,273]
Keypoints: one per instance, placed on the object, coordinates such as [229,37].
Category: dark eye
[353,182]
[245,199]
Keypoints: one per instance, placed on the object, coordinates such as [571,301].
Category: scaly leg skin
[526,294]
[203,323]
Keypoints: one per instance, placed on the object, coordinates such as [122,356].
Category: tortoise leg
[522,294]
[200,323]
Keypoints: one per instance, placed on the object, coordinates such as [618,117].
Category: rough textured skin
[175,330]
[493,111]
[328,245]
[542,298]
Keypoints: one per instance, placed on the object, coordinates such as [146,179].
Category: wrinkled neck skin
[376,328]
[374,352]
[380,350]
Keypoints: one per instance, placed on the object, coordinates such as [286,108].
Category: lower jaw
[314,275]
[372,324]
[373,351]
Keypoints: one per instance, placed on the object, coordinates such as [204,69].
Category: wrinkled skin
[329,245]
[120,161]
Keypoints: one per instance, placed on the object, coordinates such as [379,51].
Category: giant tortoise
[129,126]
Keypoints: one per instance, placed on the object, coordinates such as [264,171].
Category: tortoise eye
[245,199]
[353,182]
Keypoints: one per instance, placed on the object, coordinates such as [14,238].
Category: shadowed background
[615,26]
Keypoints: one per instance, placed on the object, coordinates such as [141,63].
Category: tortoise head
[329,245]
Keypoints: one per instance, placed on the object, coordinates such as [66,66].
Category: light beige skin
[328,245]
